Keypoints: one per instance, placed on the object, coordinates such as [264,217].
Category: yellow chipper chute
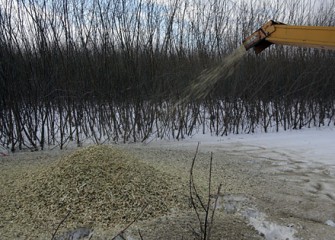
[279,33]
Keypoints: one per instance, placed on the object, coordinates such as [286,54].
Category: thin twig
[193,189]
[90,237]
[140,234]
[192,185]
[194,231]
[61,222]
[206,224]
[213,211]
[135,219]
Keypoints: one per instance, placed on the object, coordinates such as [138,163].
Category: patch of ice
[239,204]
[330,223]
[76,234]
[270,230]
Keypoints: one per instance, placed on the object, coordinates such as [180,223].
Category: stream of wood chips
[207,80]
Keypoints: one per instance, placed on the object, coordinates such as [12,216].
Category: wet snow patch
[330,223]
[240,204]
[267,229]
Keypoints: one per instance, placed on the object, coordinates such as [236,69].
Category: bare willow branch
[58,226]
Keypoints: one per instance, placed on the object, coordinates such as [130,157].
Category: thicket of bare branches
[113,70]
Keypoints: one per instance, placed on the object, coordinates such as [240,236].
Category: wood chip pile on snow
[97,185]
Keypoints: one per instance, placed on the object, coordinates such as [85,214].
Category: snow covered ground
[308,154]
[303,160]
[310,145]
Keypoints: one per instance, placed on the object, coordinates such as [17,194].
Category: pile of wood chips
[97,185]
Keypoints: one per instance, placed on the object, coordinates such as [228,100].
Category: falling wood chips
[97,185]
[207,80]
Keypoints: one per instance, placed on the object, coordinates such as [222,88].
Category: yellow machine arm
[278,33]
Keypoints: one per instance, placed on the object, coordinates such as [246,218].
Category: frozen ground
[310,145]
[305,159]
[275,186]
